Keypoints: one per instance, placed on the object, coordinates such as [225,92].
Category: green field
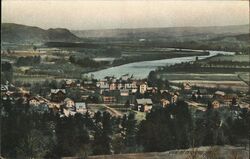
[236,58]
[202,76]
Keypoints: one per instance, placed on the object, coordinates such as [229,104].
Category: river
[141,69]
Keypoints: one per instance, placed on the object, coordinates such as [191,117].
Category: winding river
[141,69]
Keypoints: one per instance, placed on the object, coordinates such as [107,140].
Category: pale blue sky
[124,14]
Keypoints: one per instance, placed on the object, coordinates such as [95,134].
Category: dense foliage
[29,134]
[28,61]
[86,62]
[6,72]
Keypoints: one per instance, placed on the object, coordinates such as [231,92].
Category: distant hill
[241,38]
[16,33]
[162,32]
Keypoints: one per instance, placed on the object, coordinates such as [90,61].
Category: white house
[69,103]
[143,88]
[124,92]
[144,104]
[81,107]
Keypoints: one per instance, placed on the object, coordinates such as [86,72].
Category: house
[128,85]
[165,103]
[186,86]
[34,101]
[112,86]
[70,83]
[174,98]
[103,84]
[109,99]
[175,88]
[38,104]
[165,94]
[152,89]
[143,88]
[81,107]
[89,84]
[41,108]
[57,95]
[215,104]
[67,113]
[69,103]
[120,85]
[134,87]
[219,94]
[124,92]
[144,104]
[230,99]
[54,106]
[163,91]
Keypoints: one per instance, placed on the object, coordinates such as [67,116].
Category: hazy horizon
[98,15]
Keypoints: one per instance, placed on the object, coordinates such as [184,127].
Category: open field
[32,78]
[200,76]
[104,107]
[55,62]
[245,77]
[234,58]
[222,152]
[234,85]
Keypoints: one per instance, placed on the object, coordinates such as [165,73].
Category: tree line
[29,134]
[28,61]
[86,62]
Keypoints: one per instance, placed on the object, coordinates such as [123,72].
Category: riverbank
[141,69]
[150,56]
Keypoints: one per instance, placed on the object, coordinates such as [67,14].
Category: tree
[234,101]
[102,136]
[71,134]
[166,128]
[112,52]
[6,72]
[35,145]
[127,104]
[129,128]
[98,117]
[34,48]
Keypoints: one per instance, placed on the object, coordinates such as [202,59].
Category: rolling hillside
[162,32]
[16,33]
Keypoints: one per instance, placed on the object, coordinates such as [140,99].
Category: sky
[88,15]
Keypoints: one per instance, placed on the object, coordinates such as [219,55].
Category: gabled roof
[162,91]
[67,99]
[144,101]
[220,93]
[69,81]
[175,87]
[54,91]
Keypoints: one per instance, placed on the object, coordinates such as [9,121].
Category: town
[120,95]
[125,79]
[118,113]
